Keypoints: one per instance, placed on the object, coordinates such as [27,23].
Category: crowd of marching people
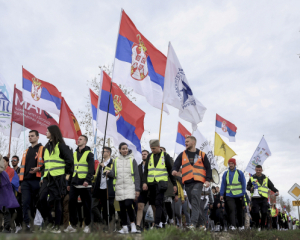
[55,189]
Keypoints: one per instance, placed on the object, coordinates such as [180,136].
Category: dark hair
[258,166]
[217,187]
[15,156]
[56,136]
[34,131]
[107,148]
[213,187]
[122,144]
[163,148]
[86,138]
[145,151]
[6,159]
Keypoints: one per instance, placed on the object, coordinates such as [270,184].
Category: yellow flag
[222,149]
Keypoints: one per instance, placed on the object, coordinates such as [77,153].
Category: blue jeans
[30,190]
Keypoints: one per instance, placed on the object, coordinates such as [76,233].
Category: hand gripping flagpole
[107,118]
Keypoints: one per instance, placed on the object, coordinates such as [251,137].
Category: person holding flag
[233,189]
[260,202]
[58,161]
[196,172]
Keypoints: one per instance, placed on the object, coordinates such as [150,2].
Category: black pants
[218,217]
[126,207]
[86,199]
[260,204]
[274,222]
[156,199]
[45,206]
[30,190]
[235,205]
[167,211]
[103,200]
[19,218]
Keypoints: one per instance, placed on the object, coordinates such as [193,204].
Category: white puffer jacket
[125,187]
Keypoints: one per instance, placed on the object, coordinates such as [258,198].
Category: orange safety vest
[196,172]
[40,162]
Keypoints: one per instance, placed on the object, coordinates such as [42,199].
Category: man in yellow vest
[80,184]
[260,203]
[157,170]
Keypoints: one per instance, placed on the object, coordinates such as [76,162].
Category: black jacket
[260,180]
[90,160]
[65,154]
[206,163]
[141,173]
[168,162]
[31,162]
[96,191]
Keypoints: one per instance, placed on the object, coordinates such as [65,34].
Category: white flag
[203,145]
[178,93]
[261,153]
[6,97]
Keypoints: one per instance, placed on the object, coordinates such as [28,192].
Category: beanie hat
[232,160]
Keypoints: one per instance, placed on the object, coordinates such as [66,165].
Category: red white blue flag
[182,133]
[225,128]
[41,94]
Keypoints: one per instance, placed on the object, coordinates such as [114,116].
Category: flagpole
[23,113]
[11,118]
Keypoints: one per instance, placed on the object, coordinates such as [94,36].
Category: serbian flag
[13,177]
[125,120]
[225,128]
[182,133]
[40,93]
[94,103]
[68,123]
[138,64]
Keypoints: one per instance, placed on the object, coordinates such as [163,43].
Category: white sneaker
[171,221]
[124,230]
[217,228]
[70,229]
[241,228]
[202,228]
[258,229]
[225,229]
[161,225]
[191,227]
[86,229]
[55,230]
[18,229]
[133,228]
[232,228]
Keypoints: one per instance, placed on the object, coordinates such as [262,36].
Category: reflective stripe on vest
[245,200]
[158,173]
[263,189]
[53,163]
[40,162]
[115,179]
[81,167]
[235,187]
[196,172]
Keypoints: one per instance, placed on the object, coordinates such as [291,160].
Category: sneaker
[158,226]
[49,227]
[56,230]
[258,229]
[138,229]
[171,221]
[18,229]
[241,228]
[225,229]
[86,229]
[191,227]
[124,230]
[217,228]
[70,229]
[232,228]
[202,228]
[133,228]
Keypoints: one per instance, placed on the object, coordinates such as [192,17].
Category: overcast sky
[239,57]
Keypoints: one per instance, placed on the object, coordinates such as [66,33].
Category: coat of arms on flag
[117,106]
[36,89]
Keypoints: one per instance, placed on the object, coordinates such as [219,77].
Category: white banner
[261,153]
[203,145]
[6,97]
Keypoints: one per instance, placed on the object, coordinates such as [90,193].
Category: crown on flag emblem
[36,89]
[117,105]
[139,67]
[224,127]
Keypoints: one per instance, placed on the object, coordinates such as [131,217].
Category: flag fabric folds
[68,123]
[222,149]
[203,145]
[7,199]
[34,117]
[13,177]
[261,153]
[178,93]
[126,120]
[225,128]
[94,104]
[138,64]
[182,133]
[40,93]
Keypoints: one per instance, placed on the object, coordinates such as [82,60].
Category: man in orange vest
[196,171]
[30,176]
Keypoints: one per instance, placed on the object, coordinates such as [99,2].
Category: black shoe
[138,229]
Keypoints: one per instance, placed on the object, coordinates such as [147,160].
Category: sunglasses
[14,160]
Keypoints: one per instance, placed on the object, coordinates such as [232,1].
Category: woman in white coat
[127,185]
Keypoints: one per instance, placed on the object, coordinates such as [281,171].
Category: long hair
[56,136]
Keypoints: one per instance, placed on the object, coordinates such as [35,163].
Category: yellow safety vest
[158,173]
[263,189]
[115,179]
[81,167]
[235,187]
[273,212]
[53,163]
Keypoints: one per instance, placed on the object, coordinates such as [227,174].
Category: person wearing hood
[233,189]
[127,185]
[260,203]
[80,184]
